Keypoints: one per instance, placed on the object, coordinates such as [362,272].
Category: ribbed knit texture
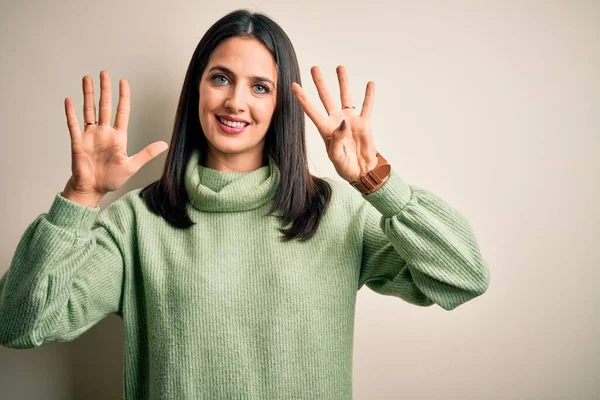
[225,309]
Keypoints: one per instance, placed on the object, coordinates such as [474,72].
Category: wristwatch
[375,178]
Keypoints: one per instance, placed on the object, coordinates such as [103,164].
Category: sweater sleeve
[66,275]
[418,248]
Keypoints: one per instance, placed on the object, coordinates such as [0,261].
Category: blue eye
[222,80]
[266,89]
[216,77]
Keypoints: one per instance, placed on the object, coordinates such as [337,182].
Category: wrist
[375,178]
[85,199]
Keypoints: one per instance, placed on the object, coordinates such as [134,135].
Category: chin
[227,145]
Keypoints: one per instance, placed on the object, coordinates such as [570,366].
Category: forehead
[245,57]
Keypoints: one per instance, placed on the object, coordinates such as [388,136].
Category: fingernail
[342,125]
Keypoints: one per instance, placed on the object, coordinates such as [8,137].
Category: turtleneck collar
[211,190]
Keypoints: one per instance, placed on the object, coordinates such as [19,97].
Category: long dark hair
[301,197]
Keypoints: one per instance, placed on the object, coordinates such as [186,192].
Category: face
[237,101]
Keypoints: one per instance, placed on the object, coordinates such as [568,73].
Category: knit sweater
[225,309]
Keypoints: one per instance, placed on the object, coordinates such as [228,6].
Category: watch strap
[375,178]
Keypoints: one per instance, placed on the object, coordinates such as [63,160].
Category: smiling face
[237,100]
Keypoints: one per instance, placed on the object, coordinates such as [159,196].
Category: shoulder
[129,201]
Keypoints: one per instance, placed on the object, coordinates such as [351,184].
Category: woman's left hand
[347,135]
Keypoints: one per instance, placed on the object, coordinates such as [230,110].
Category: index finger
[72,121]
[317,118]
[123,111]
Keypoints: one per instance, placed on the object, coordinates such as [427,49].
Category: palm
[99,160]
[346,161]
[352,151]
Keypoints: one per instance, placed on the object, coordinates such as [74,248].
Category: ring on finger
[91,123]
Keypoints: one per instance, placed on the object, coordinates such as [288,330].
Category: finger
[138,160]
[345,95]
[105,99]
[367,106]
[72,121]
[89,104]
[336,146]
[324,94]
[123,108]
[317,118]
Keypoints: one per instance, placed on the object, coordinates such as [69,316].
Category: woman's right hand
[99,160]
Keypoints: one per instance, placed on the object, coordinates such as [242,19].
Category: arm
[417,247]
[65,276]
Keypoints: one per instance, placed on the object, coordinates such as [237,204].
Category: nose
[235,101]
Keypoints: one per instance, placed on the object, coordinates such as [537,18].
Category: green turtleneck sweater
[225,309]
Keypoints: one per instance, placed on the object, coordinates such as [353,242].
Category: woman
[236,272]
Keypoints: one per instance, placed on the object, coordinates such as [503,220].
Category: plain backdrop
[492,105]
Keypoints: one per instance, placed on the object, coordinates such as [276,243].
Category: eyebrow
[230,72]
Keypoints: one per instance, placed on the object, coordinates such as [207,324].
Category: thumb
[138,160]
[336,147]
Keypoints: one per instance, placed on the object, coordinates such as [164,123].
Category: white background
[492,105]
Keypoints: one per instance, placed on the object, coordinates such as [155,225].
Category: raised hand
[99,160]
[347,135]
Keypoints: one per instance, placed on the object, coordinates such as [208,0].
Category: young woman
[236,272]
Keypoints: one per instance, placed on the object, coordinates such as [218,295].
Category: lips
[230,129]
[233,119]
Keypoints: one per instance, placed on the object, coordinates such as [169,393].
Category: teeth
[232,124]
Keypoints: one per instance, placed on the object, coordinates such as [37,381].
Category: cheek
[204,110]
[208,96]
[264,111]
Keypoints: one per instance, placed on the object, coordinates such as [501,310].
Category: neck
[233,162]
[210,190]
